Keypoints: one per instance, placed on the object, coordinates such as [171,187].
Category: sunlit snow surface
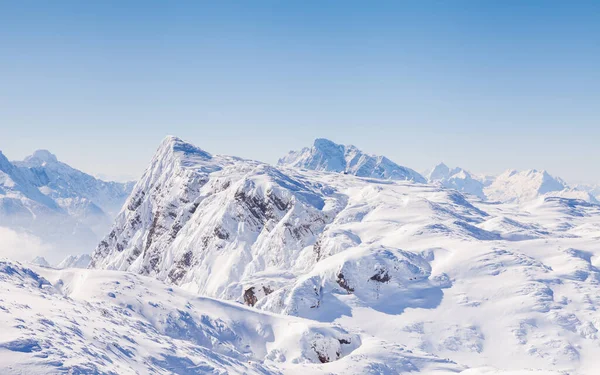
[343,275]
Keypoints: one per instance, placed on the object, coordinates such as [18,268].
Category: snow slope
[102,322]
[457,283]
[325,155]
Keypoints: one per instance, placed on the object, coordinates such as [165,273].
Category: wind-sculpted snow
[430,279]
[102,322]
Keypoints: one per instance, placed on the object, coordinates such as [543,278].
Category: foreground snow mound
[101,322]
[332,157]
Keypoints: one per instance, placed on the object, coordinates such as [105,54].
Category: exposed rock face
[40,261]
[276,240]
[325,155]
[208,221]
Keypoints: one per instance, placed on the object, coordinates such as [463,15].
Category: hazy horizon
[484,86]
[131,177]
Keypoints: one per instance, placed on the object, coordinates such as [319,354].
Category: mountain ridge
[326,155]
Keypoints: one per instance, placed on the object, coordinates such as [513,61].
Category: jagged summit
[328,156]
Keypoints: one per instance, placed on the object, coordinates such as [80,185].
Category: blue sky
[487,85]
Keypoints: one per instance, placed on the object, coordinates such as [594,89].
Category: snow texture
[218,264]
[459,282]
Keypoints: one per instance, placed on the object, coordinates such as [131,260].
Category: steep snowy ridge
[261,230]
[331,157]
[192,212]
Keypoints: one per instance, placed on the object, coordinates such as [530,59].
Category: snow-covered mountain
[75,261]
[98,322]
[458,179]
[592,189]
[514,186]
[325,155]
[77,192]
[458,283]
[66,208]
[40,261]
[510,187]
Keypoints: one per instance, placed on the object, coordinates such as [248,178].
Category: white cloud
[21,246]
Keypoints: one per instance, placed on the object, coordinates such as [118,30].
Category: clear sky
[486,85]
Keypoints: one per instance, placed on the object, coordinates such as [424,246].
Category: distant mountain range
[328,156]
[63,206]
[71,210]
[511,186]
